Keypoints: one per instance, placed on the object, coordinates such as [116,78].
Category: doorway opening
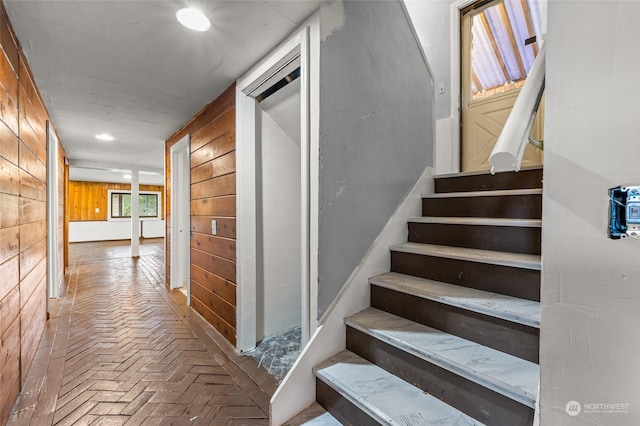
[180,217]
[274,198]
[499,43]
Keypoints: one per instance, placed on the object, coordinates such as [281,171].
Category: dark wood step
[479,402]
[506,336]
[487,234]
[518,204]
[340,407]
[484,181]
[499,275]
[358,392]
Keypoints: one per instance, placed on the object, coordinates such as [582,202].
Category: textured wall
[590,345]
[23,215]
[213,196]
[376,127]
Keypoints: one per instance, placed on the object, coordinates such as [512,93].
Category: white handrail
[509,148]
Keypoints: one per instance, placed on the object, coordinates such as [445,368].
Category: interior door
[499,45]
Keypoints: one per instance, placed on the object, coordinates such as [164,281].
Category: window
[121,205]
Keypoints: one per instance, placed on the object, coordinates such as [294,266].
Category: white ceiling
[128,68]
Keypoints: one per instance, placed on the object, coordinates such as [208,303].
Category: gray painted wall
[376,130]
[590,343]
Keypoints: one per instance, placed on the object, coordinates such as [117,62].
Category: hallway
[120,348]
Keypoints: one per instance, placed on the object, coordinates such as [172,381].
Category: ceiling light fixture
[127,176]
[193,19]
[105,137]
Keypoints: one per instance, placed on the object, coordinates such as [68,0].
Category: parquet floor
[121,349]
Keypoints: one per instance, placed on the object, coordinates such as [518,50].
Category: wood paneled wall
[213,196]
[85,197]
[23,214]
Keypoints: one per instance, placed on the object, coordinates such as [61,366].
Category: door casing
[180,215]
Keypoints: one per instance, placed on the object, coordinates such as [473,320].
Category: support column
[135,214]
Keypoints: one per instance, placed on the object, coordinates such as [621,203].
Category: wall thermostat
[624,212]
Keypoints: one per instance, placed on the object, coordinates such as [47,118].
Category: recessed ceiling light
[105,137]
[193,19]
[126,176]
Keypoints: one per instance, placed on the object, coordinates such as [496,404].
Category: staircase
[452,333]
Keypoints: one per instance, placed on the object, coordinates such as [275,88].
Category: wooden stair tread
[515,260]
[508,375]
[497,193]
[514,309]
[487,221]
[384,397]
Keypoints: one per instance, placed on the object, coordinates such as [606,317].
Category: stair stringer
[298,389]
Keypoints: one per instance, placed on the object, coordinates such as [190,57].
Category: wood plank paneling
[214,149]
[224,185]
[213,189]
[224,288]
[32,233]
[9,177]
[85,197]
[10,308]
[9,271]
[218,206]
[9,369]
[32,210]
[30,257]
[9,242]
[226,226]
[9,210]
[221,307]
[23,183]
[221,247]
[217,265]
[30,163]
[8,144]
[32,281]
[214,168]
[31,187]
[215,320]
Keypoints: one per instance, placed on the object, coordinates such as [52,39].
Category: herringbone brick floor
[121,349]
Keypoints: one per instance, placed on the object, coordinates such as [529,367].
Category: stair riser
[517,282]
[506,336]
[340,407]
[499,206]
[479,402]
[524,179]
[500,238]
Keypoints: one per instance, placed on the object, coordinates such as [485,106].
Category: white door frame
[246,110]
[180,215]
[53,282]
[455,94]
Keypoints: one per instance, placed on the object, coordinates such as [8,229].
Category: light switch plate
[214,227]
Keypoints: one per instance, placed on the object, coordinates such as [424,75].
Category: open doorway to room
[275,158]
[98,212]
[279,223]
[499,42]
